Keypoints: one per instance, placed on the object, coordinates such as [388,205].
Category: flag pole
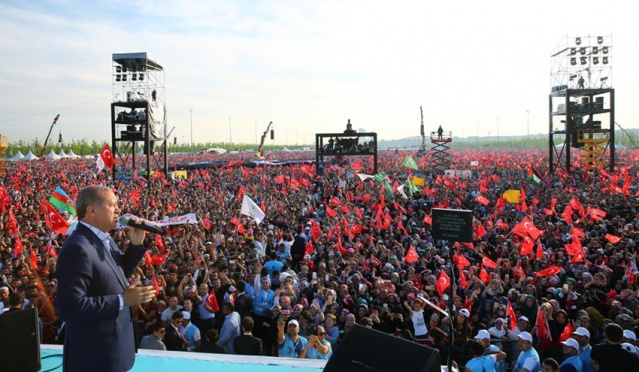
[450,308]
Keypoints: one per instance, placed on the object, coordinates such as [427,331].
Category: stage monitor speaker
[20,341]
[365,350]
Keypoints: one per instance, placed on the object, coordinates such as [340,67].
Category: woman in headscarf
[529,309]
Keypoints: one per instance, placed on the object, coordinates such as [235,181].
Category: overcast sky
[476,67]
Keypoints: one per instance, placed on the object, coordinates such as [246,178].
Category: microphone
[142,226]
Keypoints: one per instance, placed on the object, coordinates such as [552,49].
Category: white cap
[482,334]
[571,342]
[629,335]
[465,313]
[293,321]
[186,315]
[581,331]
[628,346]
[524,318]
[526,336]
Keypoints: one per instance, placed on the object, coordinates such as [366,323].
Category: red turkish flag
[480,231]
[483,275]
[212,301]
[526,247]
[543,331]
[156,286]
[107,156]
[549,271]
[526,227]
[567,332]
[161,258]
[461,261]
[309,248]
[335,201]
[574,249]
[33,260]
[462,279]
[54,220]
[612,238]
[17,246]
[330,211]
[51,251]
[481,199]
[488,262]
[411,255]
[159,242]
[135,198]
[443,282]
[511,314]
[540,252]
[148,260]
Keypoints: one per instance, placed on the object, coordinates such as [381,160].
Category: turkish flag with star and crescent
[53,219]
[107,156]
[411,255]
[442,282]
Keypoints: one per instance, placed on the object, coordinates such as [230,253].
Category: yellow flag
[512,196]
[418,181]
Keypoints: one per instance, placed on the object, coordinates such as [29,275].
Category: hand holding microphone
[125,221]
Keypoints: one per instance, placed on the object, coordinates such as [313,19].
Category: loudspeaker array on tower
[582,62]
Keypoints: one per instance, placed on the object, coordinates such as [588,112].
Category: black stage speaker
[20,341]
[366,350]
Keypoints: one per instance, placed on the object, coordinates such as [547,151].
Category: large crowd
[341,249]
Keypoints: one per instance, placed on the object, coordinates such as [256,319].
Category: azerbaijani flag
[62,201]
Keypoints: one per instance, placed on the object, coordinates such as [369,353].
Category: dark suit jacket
[172,339]
[99,337]
[247,345]
[244,305]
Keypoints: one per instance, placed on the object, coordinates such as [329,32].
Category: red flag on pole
[411,255]
[549,271]
[488,262]
[107,156]
[511,314]
[442,282]
[212,301]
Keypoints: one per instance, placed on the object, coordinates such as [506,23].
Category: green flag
[380,177]
[389,189]
[412,189]
[409,162]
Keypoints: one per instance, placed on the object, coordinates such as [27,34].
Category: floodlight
[599,39]
[118,69]
[141,77]
[134,77]
[604,60]
[578,41]
[123,77]
[595,60]
[573,51]
[604,50]
[595,50]
[584,60]
[582,51]
[118,77]
[573,61]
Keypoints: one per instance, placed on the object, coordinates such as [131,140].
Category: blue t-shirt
[291,349]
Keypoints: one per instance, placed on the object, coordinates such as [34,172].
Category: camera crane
[44,146]
[260,154]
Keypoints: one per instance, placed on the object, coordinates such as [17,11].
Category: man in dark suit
[93,294]
[246,343]
[243,301]
[172,338]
